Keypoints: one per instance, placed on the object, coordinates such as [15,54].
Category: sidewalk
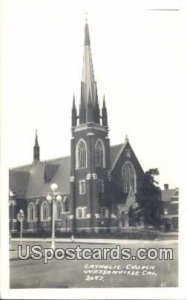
[164,237]
[13,253]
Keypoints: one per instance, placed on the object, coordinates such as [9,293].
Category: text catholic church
[99,184]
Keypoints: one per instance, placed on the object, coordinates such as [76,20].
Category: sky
[138,56]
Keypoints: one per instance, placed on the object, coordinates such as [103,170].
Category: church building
[95,189]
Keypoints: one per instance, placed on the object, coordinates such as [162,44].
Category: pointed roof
[18,181]
[74,106]
[118,151]
[104,103]
[114,152]
[36,139]
[88,79]
[33,181]
[86,35]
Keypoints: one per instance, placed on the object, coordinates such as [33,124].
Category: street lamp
[53,197]
[20,218]
[64,212]
[12,204]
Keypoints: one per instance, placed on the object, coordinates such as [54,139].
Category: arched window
[45,211]
[129,177]
[81,155]
[65,204]
[58,210]
[99,154]
[31,212]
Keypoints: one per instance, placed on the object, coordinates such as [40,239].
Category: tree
[151,198]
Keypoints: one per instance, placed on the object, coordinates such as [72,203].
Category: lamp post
[12,205]
[20,217]
[65,218]
[53,197]
[11,215]
[64,212]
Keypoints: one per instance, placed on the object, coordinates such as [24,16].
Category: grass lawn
[79,273]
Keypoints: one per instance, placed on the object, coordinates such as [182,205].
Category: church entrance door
[123,221]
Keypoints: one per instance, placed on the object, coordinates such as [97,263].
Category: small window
[101,186]
[58,210]
[45,211]
[31,212]
[104,212]
[129,177]
[81,155]
[100,154]
[65,204]
[82,187]
[81,212]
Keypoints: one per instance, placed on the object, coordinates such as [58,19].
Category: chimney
[166,186]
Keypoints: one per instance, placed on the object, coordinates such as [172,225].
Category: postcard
[92,193]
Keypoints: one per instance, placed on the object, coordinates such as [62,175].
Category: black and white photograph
[91,138]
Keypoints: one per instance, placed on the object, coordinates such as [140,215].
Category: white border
[111,293]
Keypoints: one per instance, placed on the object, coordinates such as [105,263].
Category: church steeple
[82,108]
[74,113]
[90,149]
[86,34]
[89,110]
[88,83]
[36,149]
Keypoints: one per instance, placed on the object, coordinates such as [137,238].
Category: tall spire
[88,79]
[104,113]
[82,108]
[86,34]
[96,110]
[36,138]
[90,110]
[74,113]
[36,149]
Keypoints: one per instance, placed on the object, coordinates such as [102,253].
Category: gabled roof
[18,182]
[59,173]
[34,180]
[116,152]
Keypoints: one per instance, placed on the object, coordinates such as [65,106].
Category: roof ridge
[51,159]
[42,161]
[117,145]
[21,171]
[123,145]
